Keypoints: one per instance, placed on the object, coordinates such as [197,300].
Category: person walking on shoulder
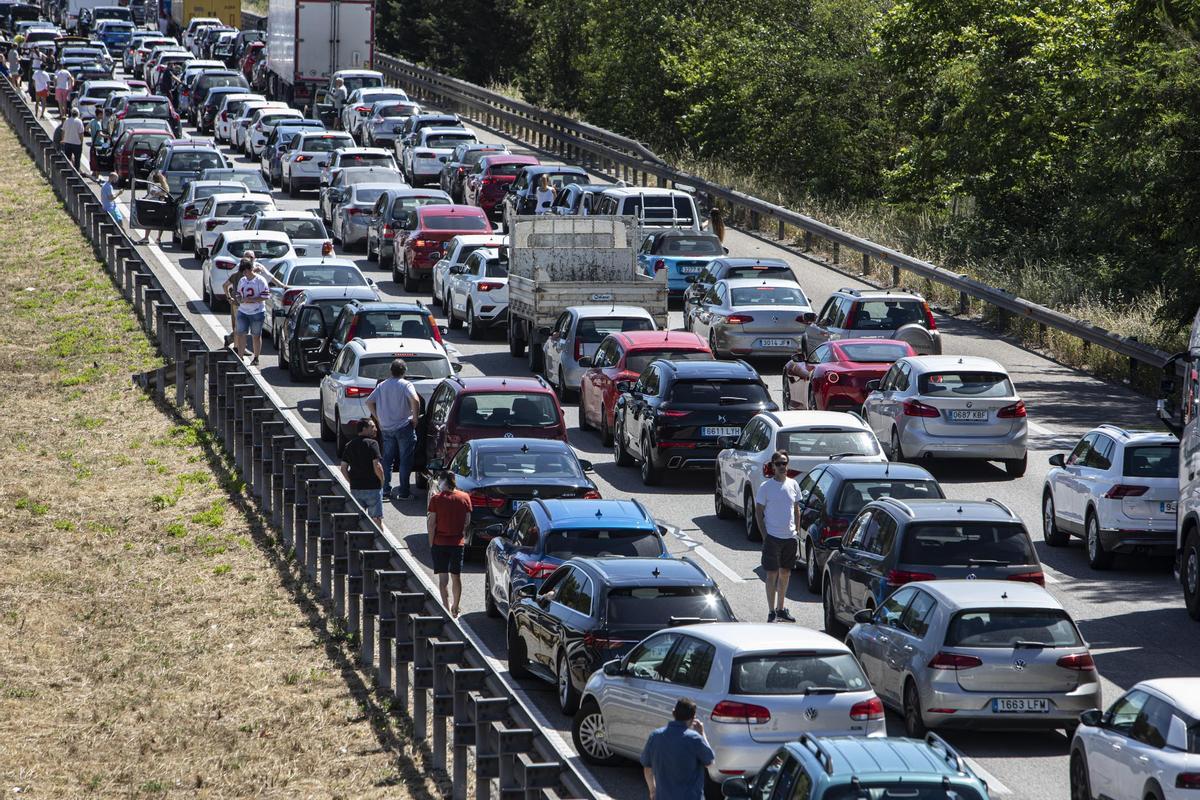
[363,470]
[108,197]
[63,83]
[777,511]
[449,512]
[394,405]
[675,756]
[72,137]
[41,90]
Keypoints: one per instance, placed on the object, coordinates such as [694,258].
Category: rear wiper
[675,621]
[836,456]
[821,690]
[985,562]
[728,401]
[1022,643]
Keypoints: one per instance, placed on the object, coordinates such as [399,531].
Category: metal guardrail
[417,657]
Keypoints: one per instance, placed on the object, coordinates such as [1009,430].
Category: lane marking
[1040,429]
[694,546]
[995,787]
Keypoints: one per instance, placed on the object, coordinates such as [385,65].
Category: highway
[1132,616]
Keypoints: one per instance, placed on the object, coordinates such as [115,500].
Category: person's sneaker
[771,617]
[783,615]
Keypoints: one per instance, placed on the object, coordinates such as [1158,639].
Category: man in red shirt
[449,511]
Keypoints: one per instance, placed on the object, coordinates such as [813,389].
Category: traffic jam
[654,418]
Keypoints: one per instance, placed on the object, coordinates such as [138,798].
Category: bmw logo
[810,714]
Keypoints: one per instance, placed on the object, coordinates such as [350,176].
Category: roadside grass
[151,642]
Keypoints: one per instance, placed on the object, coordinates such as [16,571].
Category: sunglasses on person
[779,463]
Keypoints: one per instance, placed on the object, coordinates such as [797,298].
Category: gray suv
[874,314]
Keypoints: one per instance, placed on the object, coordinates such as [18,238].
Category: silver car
[980,654]
[187,208]
[744,316]
[755,685]
[949,407]
[352,216]
[577,334]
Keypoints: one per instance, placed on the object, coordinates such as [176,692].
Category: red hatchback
[486,185]
[422,245]
[464,409]
[135,152]
[836,374]
[622,357]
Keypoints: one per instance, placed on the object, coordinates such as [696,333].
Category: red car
[622,357]
[835,376]
[140,144]
[486,185]
[422,245]
[254,54]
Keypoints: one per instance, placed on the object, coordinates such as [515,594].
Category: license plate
[776,343]
[1020,705]
[690,270]
[1167,507]
[727,430]
[517,505]
[970,415]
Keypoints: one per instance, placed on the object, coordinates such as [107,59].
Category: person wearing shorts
[777,511]
[363,470]
[449,512]
[63,83]
[41,90]
[252,290]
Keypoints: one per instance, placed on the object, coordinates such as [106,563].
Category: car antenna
[524,448]
[656,573]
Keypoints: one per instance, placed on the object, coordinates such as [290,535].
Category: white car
[347,157]
[424,158]
[810,437]
[1144,746]
[239,127]
[193,24]
[223,212]
[297,274]
[477,292]
[756,686]
[456,252]
[93,94]
[1118,490]
[363,363]
[259,127]
[187,207]
[268,248]
[304,228]
[359,103]
[300,167]
[228,112]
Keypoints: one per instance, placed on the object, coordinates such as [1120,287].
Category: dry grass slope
[150,642]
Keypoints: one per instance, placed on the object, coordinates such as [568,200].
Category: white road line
[995,787]
[1040,429]
[1053,576]
[706,554]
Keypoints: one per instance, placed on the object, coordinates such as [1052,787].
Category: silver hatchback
[750,316]
[980,654]
[949,407]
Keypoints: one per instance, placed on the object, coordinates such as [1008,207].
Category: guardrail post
[385,581]
[781,231]
[292,457]
[370,561]
[316,489]
[808,241]
[422,629]
[895,275]
[330,506]
[837,253]
[342,535]
[276,440]
[443,653]
[404,606]
[462,680]
[243,422]
[482,712]
[534,776]
[964,305]
[507,742]
[260,456]
[356,542]
[301,475]
[199,359]
[866,264]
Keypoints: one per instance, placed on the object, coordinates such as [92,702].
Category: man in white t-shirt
[777,511]
[63,83]
[41,90]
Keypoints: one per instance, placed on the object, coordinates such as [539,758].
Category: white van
[652,207]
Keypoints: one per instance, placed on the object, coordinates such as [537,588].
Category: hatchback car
[301,340]
[252,179]
[229,247]
[722,268]
[92,95]
[477,293]
[353,213]
[356,158]
[455,251]
[382,320]
[332,194]
[144,106]
[680,253]
[430,149]
[576,335]
[874,313]
[542,534]
[490,178]
[279,143]
[229,111]
[133,152]
[744,316]
[755,686]
[893,542]
[811,438]
[981,654]
[503,474]
[183,160]
[453,177]
[225,212]
[392,218]
[295,274]
[385,118]
[359,103]
[300,167]
[304,228]
[260,125]
[949,407]
[1117,489]
[434,225]
[834,377]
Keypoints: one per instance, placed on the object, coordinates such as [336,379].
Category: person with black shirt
[363,470]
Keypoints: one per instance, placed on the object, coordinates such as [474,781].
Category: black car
[592,610]
[502,474]
[210,102]
[834,493]
[304,336]
[678,412]
[200,111]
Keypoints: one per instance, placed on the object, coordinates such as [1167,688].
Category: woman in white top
[544,196]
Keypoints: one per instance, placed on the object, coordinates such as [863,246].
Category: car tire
[590,736]
[327,433]
[914,723]
[489,601]
[565,393]
[452,321]
[1081,784]
[812,400]
[1189,573]
[411,284]
[516,346]
[651,475]
[568,695]
[620,455]
[831,623]
[812,578]
[722,511]
[518,658]
[372,255]
[606,435]
[291,189]
[537,359]
[434,297]
[396,277]
[1015,467]
[1098,557]
[474,329]
[753,533]
[897,448]
[338,438]
[712,345]
[187,243]
[1154,793]
[1053,535]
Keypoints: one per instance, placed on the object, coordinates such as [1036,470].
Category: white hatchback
[223,212]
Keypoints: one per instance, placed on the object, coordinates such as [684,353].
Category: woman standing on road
[158,189]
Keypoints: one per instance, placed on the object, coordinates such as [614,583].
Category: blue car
[116,34]
[544,533]
[681,253]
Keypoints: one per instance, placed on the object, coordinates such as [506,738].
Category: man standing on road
[394,405]
[41,90]
[364,471]
[252,290]
[675,756]
[63,83]
[777,511]
[72,137]
[338,99]
[449,511]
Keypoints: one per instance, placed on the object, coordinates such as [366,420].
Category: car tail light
[538,569]
[192,213]
[290,296]
[832,377]
[433,326]
[302,159]
[326,248]
[1014,411]
[1029,577]
[423,243]
[354,212]
[929,321]
[867,710]
[213,223]
[1126,490]
[387,232]
[672,413]
[733,711]
[602,642]
[915,408]
[1187,780]
[359,391]
[426,155]
[491,286]
[591,494]
[899,577]
[954,661]
[834,527]
[1081,662]
[488,181]
[362,109]
[739,319]
[486,501]
[224,263]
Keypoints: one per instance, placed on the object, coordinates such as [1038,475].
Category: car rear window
[505,170]
[856,494]
[260,249]
[240,208]
[1007,627]
[324,144]
[148,144]
[189,161]
[874,353]
[1151,461]
[495,268]
[379,367]
[656,605]
[826,442]
[352,82]
[768,296]
[398,110]
[775,273]
[471,157]
[146,108]
[528,464]
[363,194]
[910,788]
[365,160]
[271,120]
[594,330]
[102,91]
[455,222]
[950,544]
[723,393]
[380,324]
[886,315]
[793,673]
[404,206]
[507,409]
[326,275]
[253,181]
[296,228]
[636,362]
[447,141]
[965,384]
[690,246]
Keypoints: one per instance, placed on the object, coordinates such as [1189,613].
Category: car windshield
[352,82]
[419,366]
[1151,461]
[887,315]
[518,464]
[775,273]
[194,161]
[326,275]
[857,493]
[873,353]
[792,673]
[965,384]
[660,210]
[638,361]
[324,144]
[908,789]
[1005,627]
[365,160]
[240,208]
[951,544]
[447,141]
[380,324]
[261,249]
[405,206]
[505,170]
[655,605]
[593,329]
[825,442]
[367,194]
[723,393]
[146,108]
[296,228]
[690,246]
[508,409]
[768,296]
[455,222]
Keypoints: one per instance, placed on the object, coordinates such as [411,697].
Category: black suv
[834,493]
[592,610]
[678,413]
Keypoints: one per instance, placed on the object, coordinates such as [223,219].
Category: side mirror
[435,465]
[585,362]
[526,590]
[725,442]
[873,386]
[864,616]
[1057,460]
[798,357]
[808,318]
[586,466]
[833,542]
[613,669]
[1093,717]
[495,532]
[735,789]
[324,367]
[455,269]
[624,387]
[456,366]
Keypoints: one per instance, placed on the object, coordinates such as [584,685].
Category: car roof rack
[1117,429]
[905,507]
[823,757]
[998,504]
[951,756]
[849,291]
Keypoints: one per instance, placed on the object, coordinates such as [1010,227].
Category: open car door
[101,154]
[153,213]
[311,343]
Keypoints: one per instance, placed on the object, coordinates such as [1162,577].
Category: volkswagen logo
[508,435]
[1019,664]
[810,714]
[970,576]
